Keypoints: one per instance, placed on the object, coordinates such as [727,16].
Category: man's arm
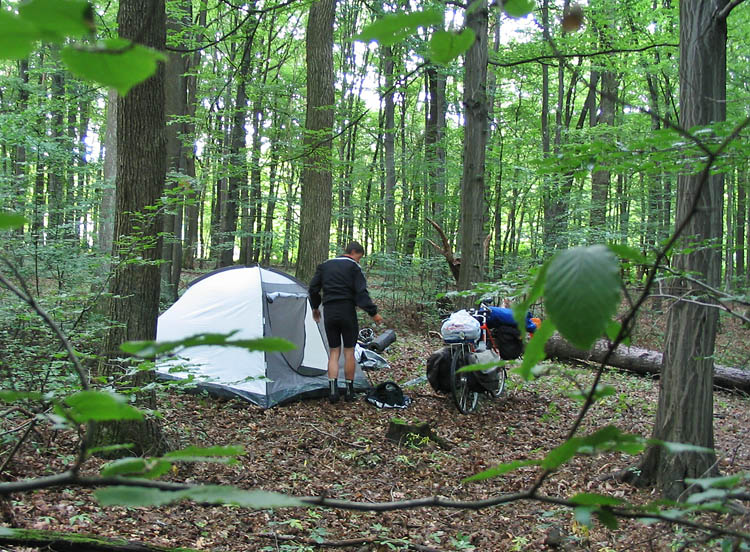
[315,286]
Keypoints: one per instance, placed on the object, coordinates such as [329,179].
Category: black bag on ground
[439,370]
[507,339]
[381,343]
[388,395]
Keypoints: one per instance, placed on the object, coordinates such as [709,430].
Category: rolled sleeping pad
[381,343]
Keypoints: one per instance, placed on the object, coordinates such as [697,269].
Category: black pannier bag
[439,370]
[507,339]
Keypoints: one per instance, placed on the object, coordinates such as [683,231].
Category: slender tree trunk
[600,180]
[238,173]
[389,149]
[317,180]
[739,251]
[107,210]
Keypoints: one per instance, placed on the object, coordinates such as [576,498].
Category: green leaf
[13,396]
[193,453]
[628,253]
[501,470]
[722,482]
[582,292]
[613,330]
[583,515]
[116,62]
[216,494]
[150,349]
[149,468]
[124,466]
[559,455]
[714,495]
[446,46]
[6,532]
[135,496]
[58,19]
[677,448]
[534,352]
[518,8]
[595,499]
[393,28]
[17,40]
[213,494]
[99,406]
[600,392]
[607,518]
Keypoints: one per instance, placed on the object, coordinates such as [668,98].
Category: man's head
[355,251]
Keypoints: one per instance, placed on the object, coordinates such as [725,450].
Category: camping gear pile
[505,343]
[253,302]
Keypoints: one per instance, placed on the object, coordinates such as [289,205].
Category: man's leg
[333,374]
[349,366]
[333,362]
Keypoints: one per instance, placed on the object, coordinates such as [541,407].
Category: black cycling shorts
[340,321]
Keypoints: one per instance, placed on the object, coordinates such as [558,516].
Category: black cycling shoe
[333,391]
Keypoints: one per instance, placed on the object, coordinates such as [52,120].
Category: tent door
[286,318]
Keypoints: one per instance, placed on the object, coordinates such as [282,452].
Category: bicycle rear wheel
[465,399]
[502,375]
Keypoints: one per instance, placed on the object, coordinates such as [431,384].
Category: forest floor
[314,448]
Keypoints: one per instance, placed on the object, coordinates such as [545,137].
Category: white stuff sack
[460,326]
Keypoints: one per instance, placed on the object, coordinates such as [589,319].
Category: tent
[253,302]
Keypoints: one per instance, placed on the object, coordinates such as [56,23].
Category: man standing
[344,289]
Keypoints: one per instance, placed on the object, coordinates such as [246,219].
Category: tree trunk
[641,361]
[175,105]
[238,159]
[317,180]
[141,171]
[473,201]
[600,180]
[107,209]
[389,149]
[685,410]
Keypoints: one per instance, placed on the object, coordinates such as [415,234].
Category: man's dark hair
[354,247]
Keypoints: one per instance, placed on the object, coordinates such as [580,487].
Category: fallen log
[641,361]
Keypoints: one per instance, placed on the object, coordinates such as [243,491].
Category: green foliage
[151,349]
[11,220]
[211,494]
[518,8]
[115,62]
[445,46]
[393,28]
[582,291]
[99,406]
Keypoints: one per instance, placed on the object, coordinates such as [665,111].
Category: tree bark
[317,180]
[685,410]
[141,171]
[473,202]
[641,361]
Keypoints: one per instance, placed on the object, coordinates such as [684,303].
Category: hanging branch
[453,263]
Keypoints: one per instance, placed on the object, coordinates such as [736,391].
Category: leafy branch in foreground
[114,62]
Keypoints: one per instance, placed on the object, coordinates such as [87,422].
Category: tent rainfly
[253,302]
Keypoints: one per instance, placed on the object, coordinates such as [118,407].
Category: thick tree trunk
[317,180]
[141,171]
[685,411]
[641,361]
[473,202]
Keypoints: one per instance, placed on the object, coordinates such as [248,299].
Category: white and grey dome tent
[253,302]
